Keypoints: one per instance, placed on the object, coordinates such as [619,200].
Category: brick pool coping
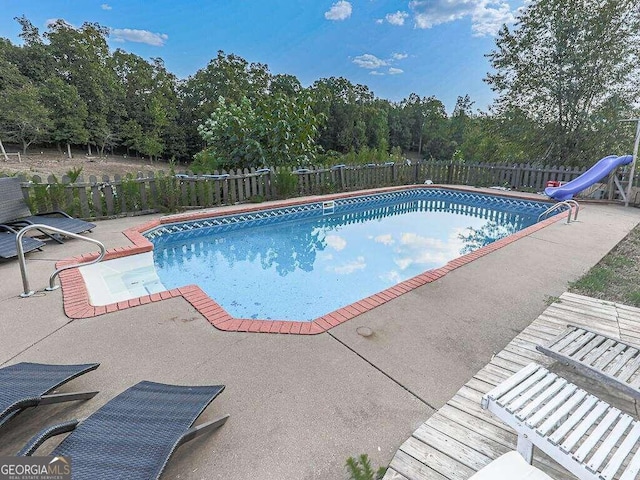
[76,297]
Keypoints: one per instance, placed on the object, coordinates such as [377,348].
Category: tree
[32,58]
[23,117]
[353,118]
[69,113]
[227,76]
[423,123]
[82,58]
[571,67]
[150,104]
[460,120]
[276,130]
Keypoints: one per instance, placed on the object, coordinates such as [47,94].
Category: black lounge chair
[15,211]
[133,435]
[25,385]
[8,242]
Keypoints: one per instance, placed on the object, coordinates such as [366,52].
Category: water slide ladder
[570,204]
[23,264]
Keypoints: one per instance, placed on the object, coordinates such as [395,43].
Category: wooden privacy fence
[153,192]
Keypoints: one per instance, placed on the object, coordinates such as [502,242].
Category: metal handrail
[23,264]
[573,202]
[564,203]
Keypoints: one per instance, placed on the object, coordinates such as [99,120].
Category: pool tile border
[76,297]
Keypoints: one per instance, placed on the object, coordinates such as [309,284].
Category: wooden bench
[599,357]
[587,436]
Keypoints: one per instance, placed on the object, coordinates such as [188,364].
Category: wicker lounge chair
[8,242]
[133,435]
[25,385]
[15,211]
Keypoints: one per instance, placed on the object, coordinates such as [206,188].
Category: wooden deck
[461,438]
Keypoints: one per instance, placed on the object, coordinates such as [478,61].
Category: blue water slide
[588,178]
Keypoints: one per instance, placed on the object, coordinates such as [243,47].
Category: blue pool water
[297,263]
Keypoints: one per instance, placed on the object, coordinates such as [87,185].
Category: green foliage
[365,156]
[360,469]
[352,116]
[475,238]
[565,74]
[207,161]
[168,191]
[23,117]
[74,173]
[566,71]
[616,277]
[286,184]
[396,154]
[550,299]
[130,191]
[633,298]
[38,200]
[595,281]
[83,55]
[231,133]
[69,121]
[273,130]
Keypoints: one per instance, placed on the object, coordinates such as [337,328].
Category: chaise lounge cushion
[510,466]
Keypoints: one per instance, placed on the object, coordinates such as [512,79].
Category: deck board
[461,437]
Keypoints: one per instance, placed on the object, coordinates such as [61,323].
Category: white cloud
[339,11]
[106,6]
[392,277]
[488,21]
[487,16]
[336,242]
[369,61]
[384,239]
[139,36]
[399,56]
[395,71]
[349,267]
[325,257]
[51,21]
[397,18]
[427,251]
[379,21]
[376,73]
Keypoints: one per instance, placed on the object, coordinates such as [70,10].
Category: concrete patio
[300,405]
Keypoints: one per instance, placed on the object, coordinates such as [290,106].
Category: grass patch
[616,278]
[551,299]
[596,280]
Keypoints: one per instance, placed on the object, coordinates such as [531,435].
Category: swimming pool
[300,262]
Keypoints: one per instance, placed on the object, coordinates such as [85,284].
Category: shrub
[360,469]
[286,184]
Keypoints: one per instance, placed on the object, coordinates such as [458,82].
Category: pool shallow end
[120,279]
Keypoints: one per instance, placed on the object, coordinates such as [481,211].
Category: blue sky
[429,47]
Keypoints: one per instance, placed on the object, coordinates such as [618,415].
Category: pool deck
[300,405]
[461,438]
